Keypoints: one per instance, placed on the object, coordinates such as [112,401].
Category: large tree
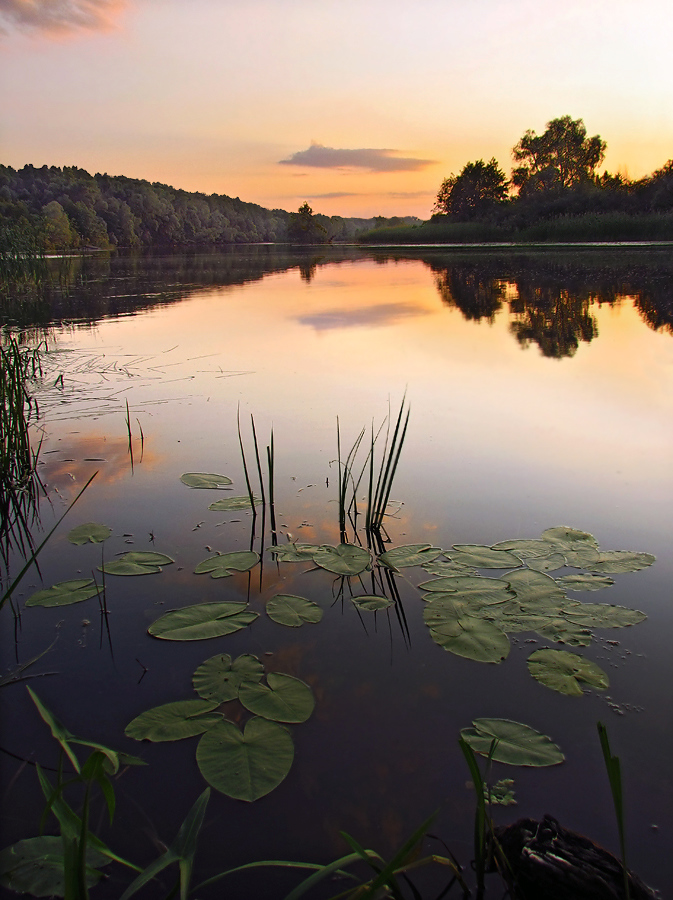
[304,227]
[562,157]
[472,194]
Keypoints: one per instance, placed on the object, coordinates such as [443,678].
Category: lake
[538,384]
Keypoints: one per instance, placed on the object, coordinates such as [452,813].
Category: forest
[54,209]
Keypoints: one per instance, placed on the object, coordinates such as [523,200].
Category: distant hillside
[63,209]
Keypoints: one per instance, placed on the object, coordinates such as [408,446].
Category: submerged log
[549,862]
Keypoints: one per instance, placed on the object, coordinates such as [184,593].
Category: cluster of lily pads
[243,763]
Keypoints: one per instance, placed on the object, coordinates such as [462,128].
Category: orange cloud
[59,16]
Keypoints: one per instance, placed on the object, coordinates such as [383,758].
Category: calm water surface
[539,386]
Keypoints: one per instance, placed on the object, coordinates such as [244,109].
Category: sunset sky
[361,107]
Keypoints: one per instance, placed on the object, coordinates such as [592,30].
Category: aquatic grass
[614,772]
[128,432]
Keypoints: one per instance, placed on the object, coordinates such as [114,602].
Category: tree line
[555,174]
[54,209]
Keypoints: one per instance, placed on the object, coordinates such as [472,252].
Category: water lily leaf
[64,593]
[287,609]
[91,532]
[563,630]
[202,621]
[481,557]
[604,615]
[586,581]
[245,765]
[467,636]
[173,721]
[286,699]
[137,562]
[546,563]
[569,538]
[535,589]
[231,503]
[294,552]
[35,866]
[218,678]
[525,549]
[517,744]
[466,585]
[225,564]
[446,567]
[409,555]
[345,559]
[580,559]
[372,602]
[564,672]
[613,562]
[205,480]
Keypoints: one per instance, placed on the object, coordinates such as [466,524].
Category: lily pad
[604,615]
[285,699]
[372,602]
[202,621]
[205,480]
[248,764]
[481,557]
[613,562]
[535,589]
[564,672]
[173,721]
[287,609]
[232,503]
[218,678]
[345,559]
[295,552]
[35,866]
[137,562]
[517,744]
[225,564]
[585,581]
[546,563]
[525,549]
[409,555]
[64,593]
[446,567]
[563,630]
[89,533]
[467,636]
[569,538]
[477,587]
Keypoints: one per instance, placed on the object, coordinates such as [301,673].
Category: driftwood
[548,862]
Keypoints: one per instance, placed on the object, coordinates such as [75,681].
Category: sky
[360,107]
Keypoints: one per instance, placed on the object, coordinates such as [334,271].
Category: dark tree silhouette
[472,194]
[562,157]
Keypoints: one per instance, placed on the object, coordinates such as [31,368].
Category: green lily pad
[286,699]
[569,538]
[409,555]
[245,765]
[467,636]
[205,480]
[604,615]
[517,744]
[173,721]
[446,567]
[137,562]
[476,588]
[564,672]
[546,563]
[581,559]
[563,630]
[35,866]
[225,564]
[481,557]
[525,549]
[345,559]
[287,609]
[232,503]
[535,589]
[218,678]
[585,581]
[371,602]
[613,562]
[91,532]
[202,621]
[64,593]
[294,552]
